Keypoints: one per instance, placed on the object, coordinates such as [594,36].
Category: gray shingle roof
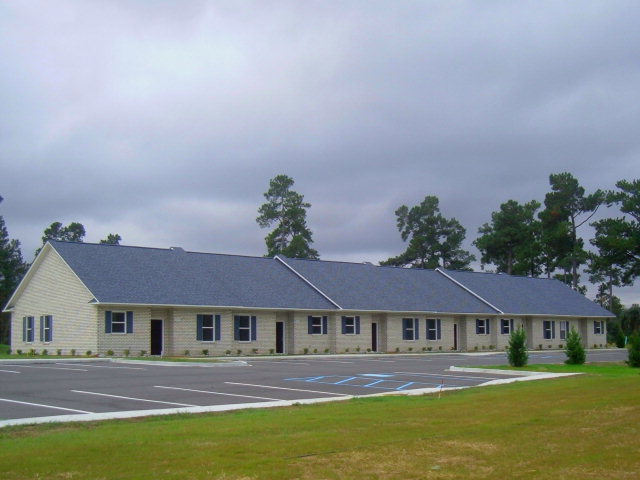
[153,276]
[356,286]
[525,295]
[120,274]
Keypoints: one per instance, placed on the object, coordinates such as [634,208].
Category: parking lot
[76,387]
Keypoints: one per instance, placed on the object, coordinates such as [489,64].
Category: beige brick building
[132,301]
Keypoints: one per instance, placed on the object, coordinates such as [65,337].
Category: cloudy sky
[164,121]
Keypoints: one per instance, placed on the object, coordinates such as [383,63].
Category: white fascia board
[217,307]
[302,277]
[469,291]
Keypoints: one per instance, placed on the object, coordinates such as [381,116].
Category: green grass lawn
[581,427]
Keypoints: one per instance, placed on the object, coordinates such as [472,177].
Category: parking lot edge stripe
[219,393]
[50,368]
[8,371]
[133,398]
[285,388]
[43,405]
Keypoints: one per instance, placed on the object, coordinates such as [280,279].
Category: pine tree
[517,348]
[574,349]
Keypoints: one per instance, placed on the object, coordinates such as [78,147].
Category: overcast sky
[164,121]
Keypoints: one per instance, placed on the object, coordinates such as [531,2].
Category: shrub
[125,352]
[634,351]
[315,350]
[272,351]
[517,348]
[239,352]
[540,347]
[346,350]
[255,351]
[205,351]
[187,353]
[88,353]
[491,347]
[326,350]
[59,352]
[143,353]
[110,353]
[45,352]
[574,351]
[73,352]
[32,352]
[397,349]
[305,350]
[429,348]
[440,347]
[357,349]
[228,352]
[19,352]
[411,349]
[368,350]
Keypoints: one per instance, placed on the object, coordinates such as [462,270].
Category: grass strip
[574,427]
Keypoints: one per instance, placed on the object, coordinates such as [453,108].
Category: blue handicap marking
[364,380]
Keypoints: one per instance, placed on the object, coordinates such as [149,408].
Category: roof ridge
[304,279]
[467,289]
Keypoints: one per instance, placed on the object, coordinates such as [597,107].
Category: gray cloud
[164,122]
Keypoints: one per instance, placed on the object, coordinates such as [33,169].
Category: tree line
[533,238]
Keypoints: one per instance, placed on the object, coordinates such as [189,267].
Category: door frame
[161,336]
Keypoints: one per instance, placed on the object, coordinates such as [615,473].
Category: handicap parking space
[32,390]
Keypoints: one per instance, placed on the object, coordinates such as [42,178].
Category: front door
[455,336]
[279,337]
[374,337]
[156,337]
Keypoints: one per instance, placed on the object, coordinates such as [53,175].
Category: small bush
[272,351]
[429,348]
[540,346]
[110,353]
[315,350]
[254,351]
[574,351]
[19,352]
[410,349]
[45,352]
[491,347]
[73,352]
[187,353]
[595,346]
[205,351]
[305,350]
[239,352]
[59,352]
[634,351]
[560,346]
[517,348]
[440,348]
[32,352]
[357,349]
[346,350]
[228,352]
[476,348]
[143,353]
[326,350]
[88,353]
[125,352]
[368,350]
[397,349]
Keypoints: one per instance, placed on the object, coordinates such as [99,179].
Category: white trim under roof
[469,291]
[277,257]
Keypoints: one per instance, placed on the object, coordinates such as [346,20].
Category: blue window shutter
[344,325]
[42,328]
[107,321]
[236,329]
[129,322]
[218,333]
[309,324]
[438,330]
[477,326]
[488,324]
[254,332]
[357,325]
[325,325]
[24,329]
[405,327]
[199,320]
[416,329]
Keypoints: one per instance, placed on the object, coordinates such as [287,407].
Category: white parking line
[331,361]
[376,360]
[217,393]
[280,362]
[50,368]
[284,388]
[444,375]
[42,405]
[133,398]
[99,366]
[8,371]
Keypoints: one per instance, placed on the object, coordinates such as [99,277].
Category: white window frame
[549,329]
[564,328]
[319,326]
[482,326]
[434,329]
[507,325]
[118,322]
[212,328]
[241,328]
[30,329]
[411,329]
[47,328]
[598,327]
[349,325]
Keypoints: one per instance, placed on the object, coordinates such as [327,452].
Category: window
[598,327]
[564,329]
[482,326]
[28,329]
[410,328]
[118,322]
[351,325]
[434,329]
[46,328]
[244,328]
[549,329]
[208,328]
[317,325]
[506,326]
